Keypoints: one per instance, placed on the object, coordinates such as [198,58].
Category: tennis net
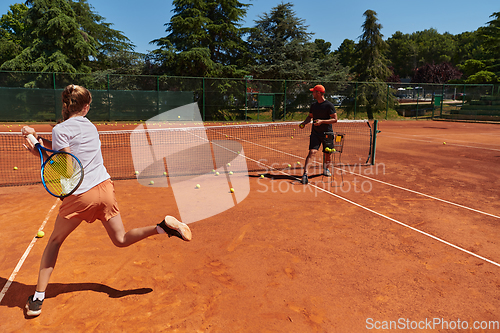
[188,150]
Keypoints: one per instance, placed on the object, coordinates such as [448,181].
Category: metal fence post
[203,88]
[387,105]
[355,99]
[55,94]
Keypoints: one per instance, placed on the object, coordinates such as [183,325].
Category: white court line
[406,225]
[434,141]
[25,255]
[422,194]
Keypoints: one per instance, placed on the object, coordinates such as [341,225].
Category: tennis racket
[62,173]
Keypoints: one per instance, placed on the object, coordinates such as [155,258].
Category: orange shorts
[98,203]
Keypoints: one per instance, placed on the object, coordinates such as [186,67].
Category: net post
[374,143]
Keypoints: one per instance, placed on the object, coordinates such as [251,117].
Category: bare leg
[62,228]
[311,154]
[120,238]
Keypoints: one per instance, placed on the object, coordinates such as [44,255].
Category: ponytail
[74,99]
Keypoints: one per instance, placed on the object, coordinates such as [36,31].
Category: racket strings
[61,174]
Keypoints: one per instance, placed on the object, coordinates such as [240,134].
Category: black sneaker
[174,227]
[33,308]
[304,180]
[327,173]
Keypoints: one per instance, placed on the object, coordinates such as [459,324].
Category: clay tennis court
[412,239]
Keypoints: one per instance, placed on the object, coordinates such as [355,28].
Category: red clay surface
[288,258]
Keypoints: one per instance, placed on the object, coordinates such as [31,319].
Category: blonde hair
[74,98]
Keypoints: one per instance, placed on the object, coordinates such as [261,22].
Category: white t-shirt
[82,138]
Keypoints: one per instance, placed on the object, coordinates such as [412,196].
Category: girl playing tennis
[94,199]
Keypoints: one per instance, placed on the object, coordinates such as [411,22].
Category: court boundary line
[20,263]
[401,223]
[447,143]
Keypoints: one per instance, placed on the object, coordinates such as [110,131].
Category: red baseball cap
[319,88]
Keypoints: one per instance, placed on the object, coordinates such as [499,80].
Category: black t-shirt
[322,111]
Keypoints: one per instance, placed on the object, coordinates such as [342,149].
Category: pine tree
[372,67]
[205,39]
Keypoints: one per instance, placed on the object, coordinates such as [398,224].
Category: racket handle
[33,140]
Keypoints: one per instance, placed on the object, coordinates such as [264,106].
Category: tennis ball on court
[178,116]
[444,143]
[198,186]
[40,234]
[327,150]
[298,163]
[333,149]
[151,183]
[292,137]
[289,165]
[230,172]
[232,190]
[15,168]
[261,176]
[217,173]
[164,173]
[137,172]
[229,164]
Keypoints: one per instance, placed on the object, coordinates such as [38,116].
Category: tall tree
[347,53]
[281,44]
[372,66]
[205,39]
[283,50]
[402,54]
[11,29]
[64,36]
[112,46]
[491,37]
[53,38]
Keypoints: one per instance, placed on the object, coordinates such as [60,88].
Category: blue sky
[333,21]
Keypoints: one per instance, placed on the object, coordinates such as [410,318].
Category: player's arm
[332,120]
[306,121]
[26,130]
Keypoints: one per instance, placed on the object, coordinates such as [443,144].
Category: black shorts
[317,139]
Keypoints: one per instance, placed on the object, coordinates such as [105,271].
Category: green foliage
[471,66]
[372,67]
[347,53]
[59,36]
[482,77]
[11,29]
[282,49]
[205,39]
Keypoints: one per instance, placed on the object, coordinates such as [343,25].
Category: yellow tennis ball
[137,172]
[230,172]
[217,173]
[164,173]
[151,183]
[229,164]
[198,186]
[261,176]
[232,190]
[15,168]
[40,234]
[444,143]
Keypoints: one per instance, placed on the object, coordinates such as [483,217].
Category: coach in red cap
[323,115]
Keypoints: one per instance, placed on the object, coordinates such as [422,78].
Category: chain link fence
[28,96]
